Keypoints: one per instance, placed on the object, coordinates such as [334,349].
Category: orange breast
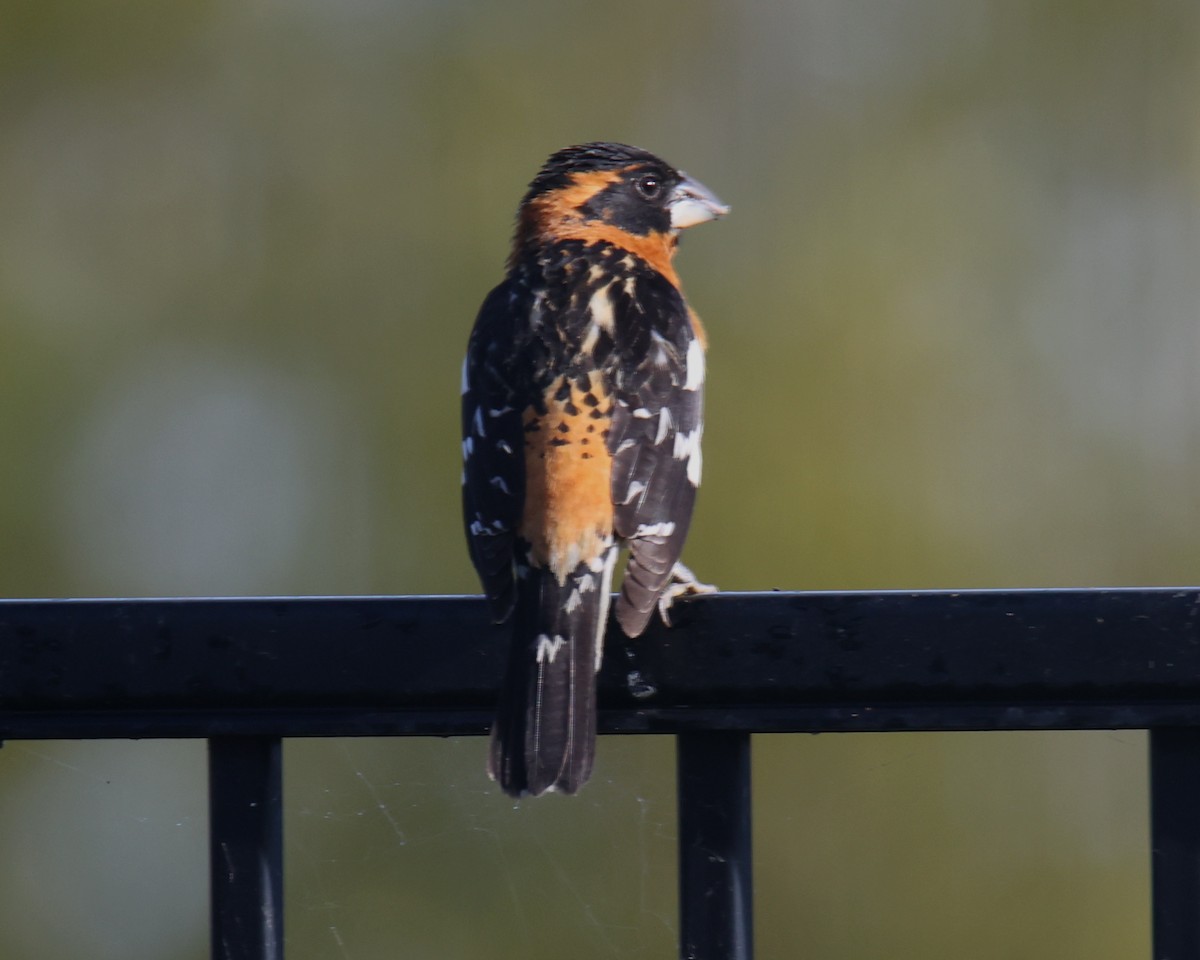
[568,514]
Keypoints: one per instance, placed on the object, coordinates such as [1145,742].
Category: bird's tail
[544,737]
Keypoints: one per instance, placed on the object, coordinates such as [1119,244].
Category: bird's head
[615,193]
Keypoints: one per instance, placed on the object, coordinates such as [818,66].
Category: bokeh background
[955,325]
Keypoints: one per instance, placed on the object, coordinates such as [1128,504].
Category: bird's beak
[691,203]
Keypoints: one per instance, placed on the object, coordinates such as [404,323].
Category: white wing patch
[606,575]
[547,648]
[687,447]
[589,340]
[480,529]
[664,425]
[695,366]
[601,309]
[663,350]
[466,383]
[663,529]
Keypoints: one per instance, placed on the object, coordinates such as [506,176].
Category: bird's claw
[683,583]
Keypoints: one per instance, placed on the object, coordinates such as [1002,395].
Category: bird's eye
[649,186]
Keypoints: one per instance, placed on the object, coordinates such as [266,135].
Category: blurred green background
[955,343]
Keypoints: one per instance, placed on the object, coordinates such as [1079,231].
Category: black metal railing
[245,673]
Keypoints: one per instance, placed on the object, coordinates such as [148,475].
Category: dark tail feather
[544,737]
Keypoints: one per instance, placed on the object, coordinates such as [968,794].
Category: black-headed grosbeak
[582,396]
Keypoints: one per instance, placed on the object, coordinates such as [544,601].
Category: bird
[582,417]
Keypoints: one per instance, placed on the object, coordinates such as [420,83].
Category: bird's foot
[683,583]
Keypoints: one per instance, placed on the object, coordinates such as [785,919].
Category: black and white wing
[654,439]
[493,479]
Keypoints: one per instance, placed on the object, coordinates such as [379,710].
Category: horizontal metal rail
[766,662]
[246,672]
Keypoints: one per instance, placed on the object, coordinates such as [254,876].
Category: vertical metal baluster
[245,804]
[1175,842]
[716,905]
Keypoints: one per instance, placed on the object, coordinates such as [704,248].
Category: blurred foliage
[955,344]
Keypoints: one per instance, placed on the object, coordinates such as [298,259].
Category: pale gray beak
[691,202]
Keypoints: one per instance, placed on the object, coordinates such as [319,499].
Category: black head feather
[636,199]
[586,157]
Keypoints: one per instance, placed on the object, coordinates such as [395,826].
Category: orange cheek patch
[545,218]
[564,203]
[568,515]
